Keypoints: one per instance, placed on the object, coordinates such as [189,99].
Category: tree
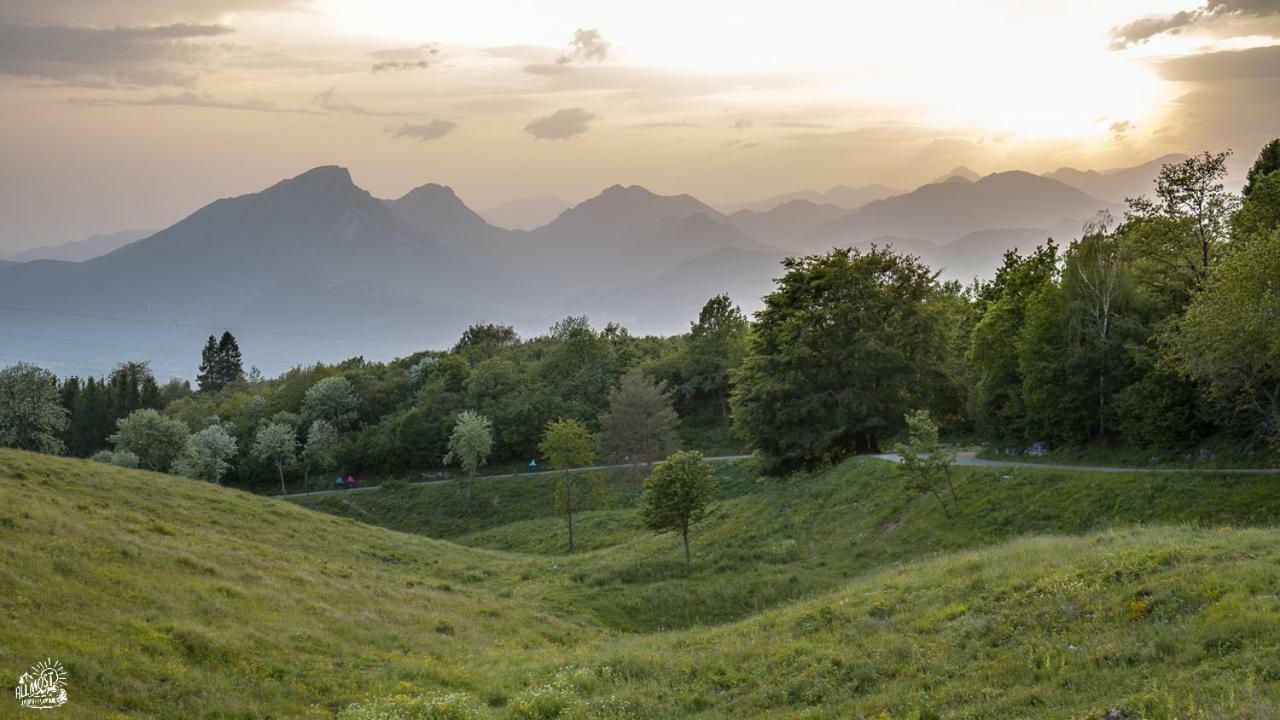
[208,455]
[333,400]
[484,340]
[1229,338]
[841,348]
[320,449]
[208,377]
[717,343]
[640,425]
[276,443]
[925,463]
[156,440]
[1175,239]
[1268,161]
[677,494]
[567,444]
[471,441]
[31,414]
[230,364]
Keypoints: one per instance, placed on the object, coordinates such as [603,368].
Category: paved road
[717,458]
[972,460]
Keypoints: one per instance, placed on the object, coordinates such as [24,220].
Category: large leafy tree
[320,450]
[31,413]
[208,455]
[334,400]
[641,425]
[717,343]
[677,494]
[843,346]
[1229,338]
[997,398]
[471,442]
[1174,239]
[568,445]
[156,440]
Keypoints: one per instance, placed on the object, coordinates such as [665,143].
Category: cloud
[1144,29]
[190,99]
[331,101]
[795,125]
[561,124]
[425,132]
[1252,64]
[952,150]
[743,124]
[1120,129]
[404,59]
[549,69]
[587,44]
[160,55]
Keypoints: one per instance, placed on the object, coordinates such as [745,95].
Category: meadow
[836,594]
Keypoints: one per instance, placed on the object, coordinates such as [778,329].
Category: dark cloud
[587,45]
[561,124]
[743,124]
[190,99]
[161,55]
[1252,64]
[425,132]
[1143,29]
[405,59]
[109,13]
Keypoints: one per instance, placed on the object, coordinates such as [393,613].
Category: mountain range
[81,250]
[315,268]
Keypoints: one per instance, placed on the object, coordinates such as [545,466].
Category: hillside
[167,597]
[82,250]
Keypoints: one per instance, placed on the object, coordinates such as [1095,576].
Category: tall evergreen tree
[230,364]
[207,378]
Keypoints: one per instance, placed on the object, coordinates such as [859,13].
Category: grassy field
[1061,595]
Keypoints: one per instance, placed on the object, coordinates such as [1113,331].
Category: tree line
[1159,329]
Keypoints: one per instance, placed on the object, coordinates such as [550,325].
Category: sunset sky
[132,113]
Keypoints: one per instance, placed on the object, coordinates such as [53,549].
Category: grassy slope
[169,598]
[772,542]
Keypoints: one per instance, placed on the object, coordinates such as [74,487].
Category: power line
[214,328]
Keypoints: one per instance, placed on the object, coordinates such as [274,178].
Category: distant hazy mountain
[81,250]
[841,196]
[625,235]
[525,213]
[960,173]
[314,255]
[667,303]
[978,254]
[940,212]
[1118,184]
[785,225]
[438,212]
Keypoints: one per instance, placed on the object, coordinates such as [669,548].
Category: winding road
[363,488]
[970,459]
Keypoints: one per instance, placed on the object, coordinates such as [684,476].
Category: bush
[121,458]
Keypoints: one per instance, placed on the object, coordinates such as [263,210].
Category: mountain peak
[322,180]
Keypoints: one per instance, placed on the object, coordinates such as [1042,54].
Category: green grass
[1049,594]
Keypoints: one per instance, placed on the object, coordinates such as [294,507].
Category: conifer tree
[207,378]
[230,364]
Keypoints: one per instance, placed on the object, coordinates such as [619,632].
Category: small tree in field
[568,444]
[277,444]
[925,463]
[470,445]
[320,449]
[156,440]
[677,494]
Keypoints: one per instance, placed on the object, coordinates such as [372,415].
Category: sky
[118,114]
